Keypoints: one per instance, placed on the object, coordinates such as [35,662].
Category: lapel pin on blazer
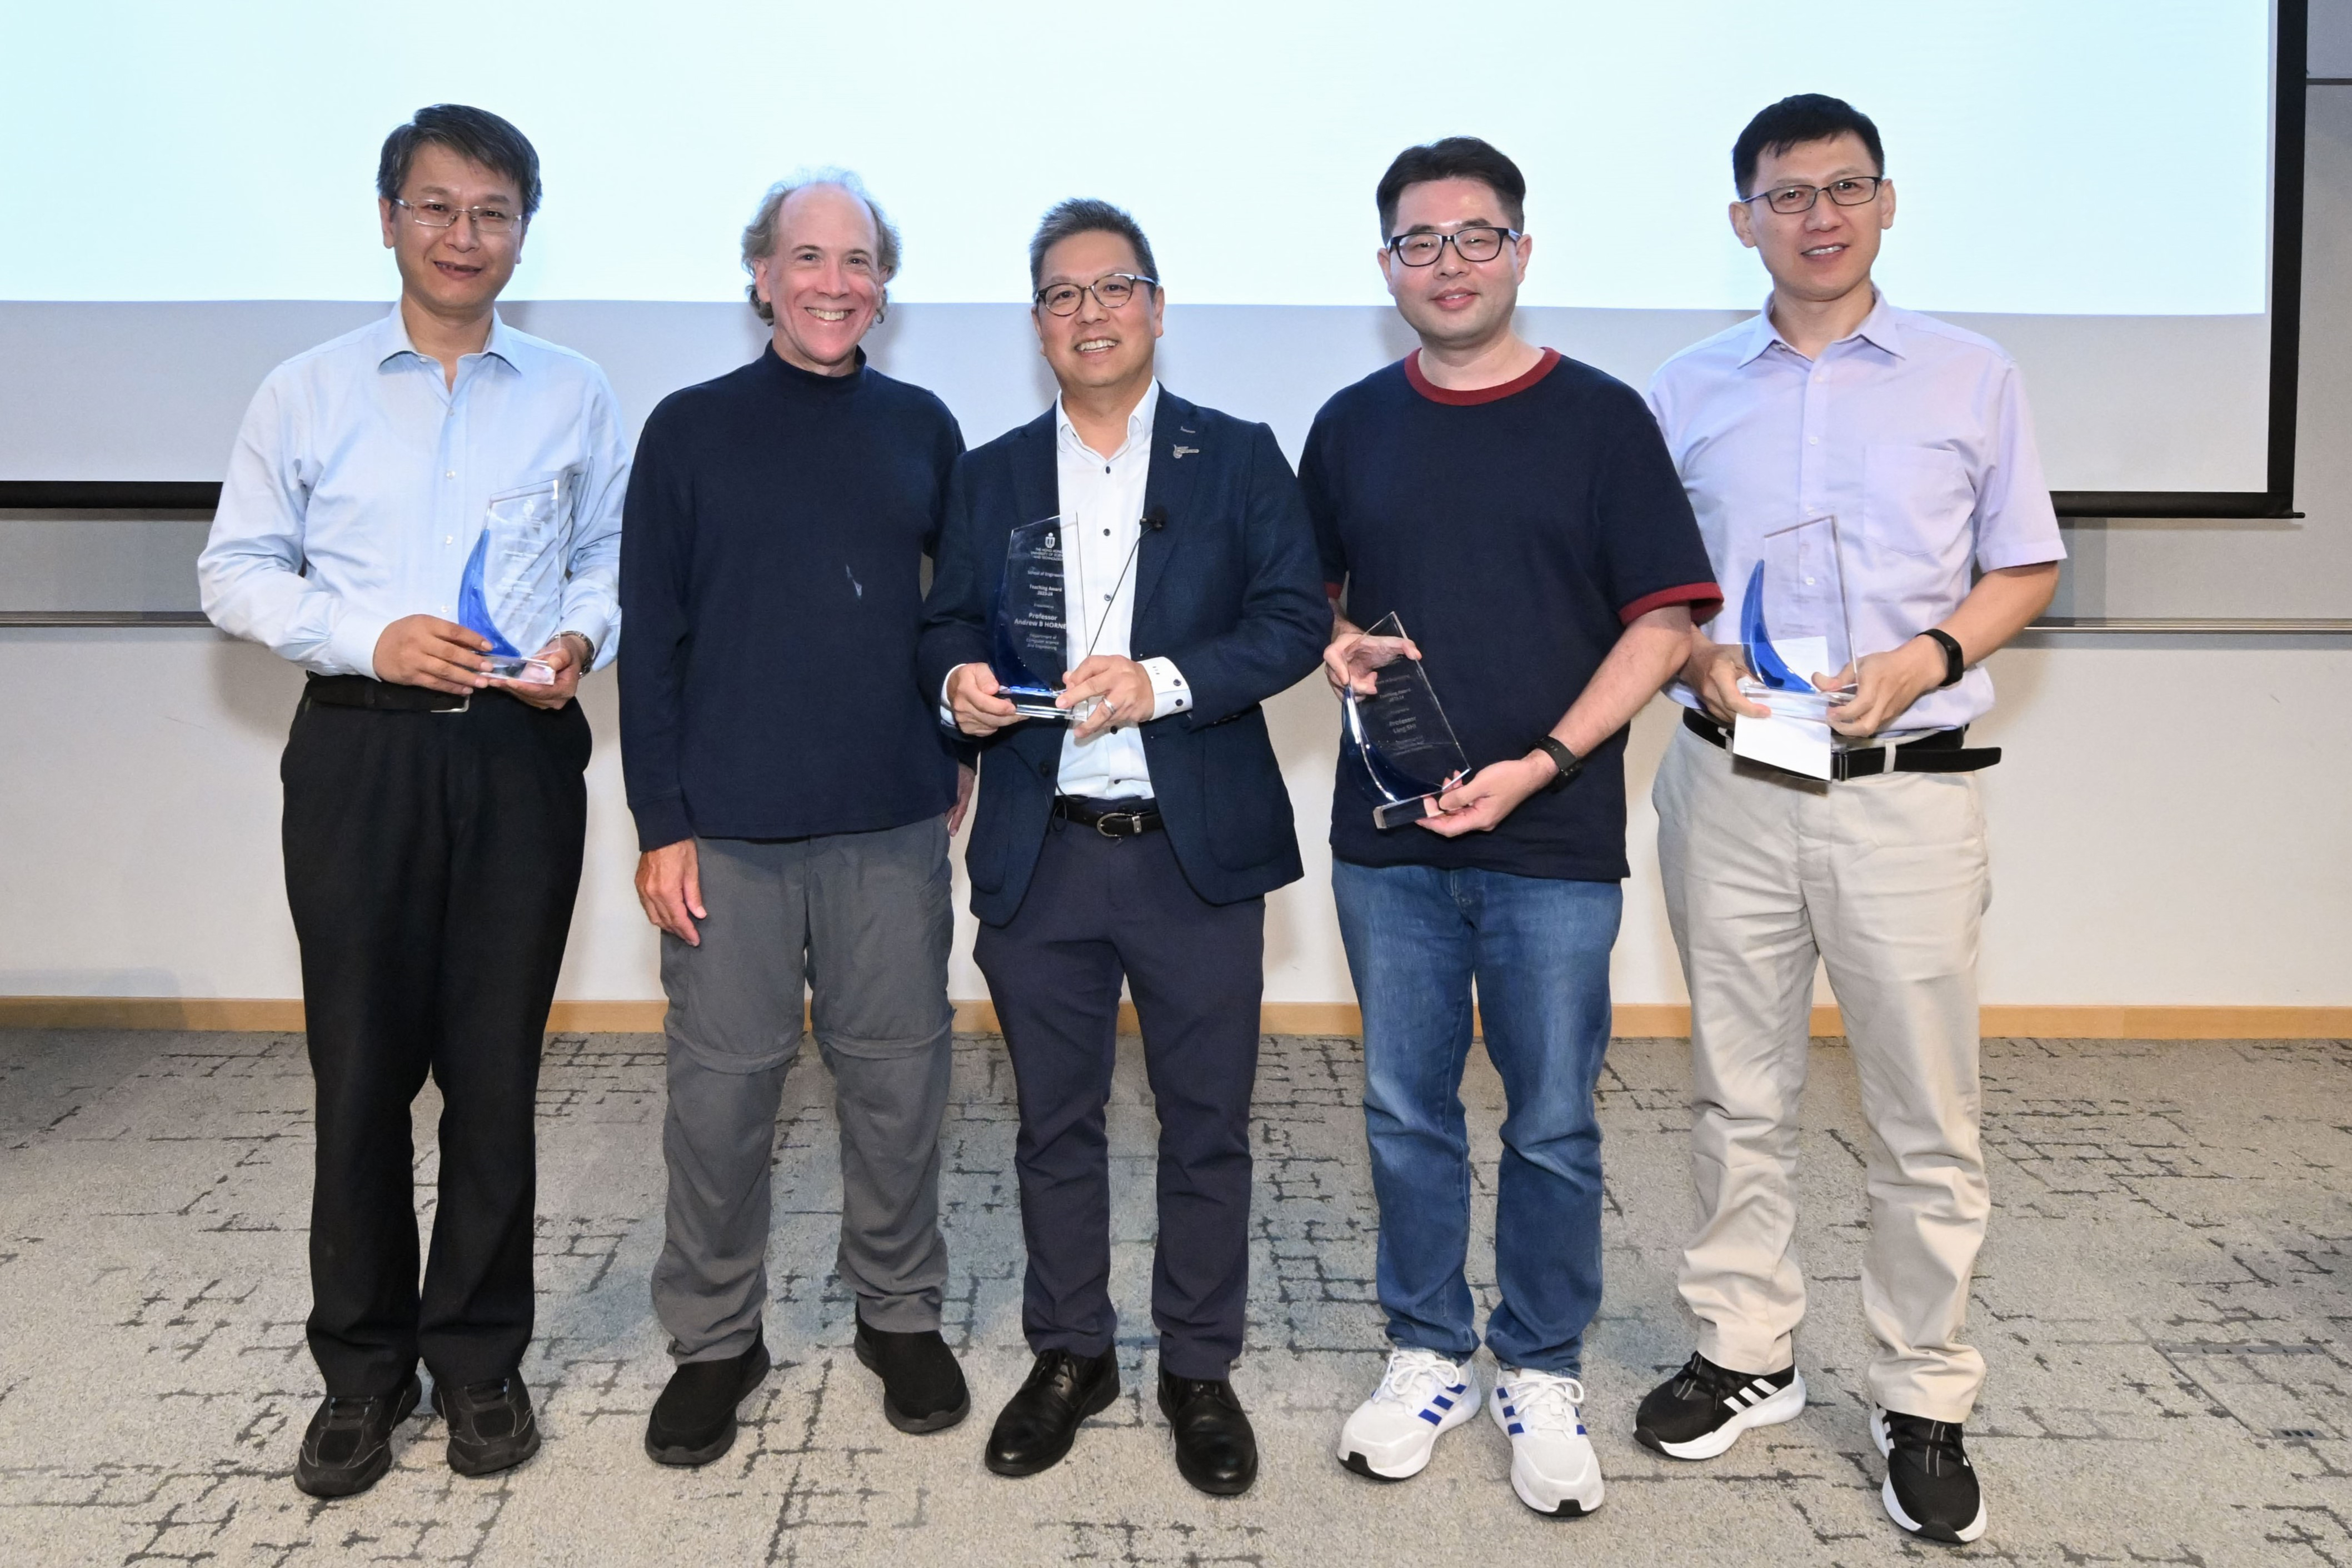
[1187,451]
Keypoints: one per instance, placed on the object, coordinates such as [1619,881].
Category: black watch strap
[1956,663]
[1568,763]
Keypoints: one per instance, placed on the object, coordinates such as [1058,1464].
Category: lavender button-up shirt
[1910,433]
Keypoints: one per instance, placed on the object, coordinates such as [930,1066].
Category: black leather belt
[1111,819]
[1939,752]
[360,691]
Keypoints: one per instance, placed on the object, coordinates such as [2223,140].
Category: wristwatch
[1568,763]
[1956,663]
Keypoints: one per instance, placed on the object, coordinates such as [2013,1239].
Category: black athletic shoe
[1039,1423]
[1931,1489]
[1216,1448]
[491,1427]
[348,1446]
[1701,1410]
[922,1387]
[694,1420]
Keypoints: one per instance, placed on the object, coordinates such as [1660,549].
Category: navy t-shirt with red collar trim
[1515,530]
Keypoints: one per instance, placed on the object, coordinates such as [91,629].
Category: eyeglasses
[1111,290]
[1853,191]
[441,214]
[1479,242]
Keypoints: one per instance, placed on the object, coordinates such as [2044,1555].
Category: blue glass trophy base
[522,671]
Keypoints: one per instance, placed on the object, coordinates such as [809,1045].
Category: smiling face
[1098,350]
[1824,253]
[455,273]
[823,280]
[1454,304]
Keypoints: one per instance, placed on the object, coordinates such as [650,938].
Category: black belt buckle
[1121,825]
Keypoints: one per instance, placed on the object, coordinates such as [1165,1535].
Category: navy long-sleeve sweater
[772,553]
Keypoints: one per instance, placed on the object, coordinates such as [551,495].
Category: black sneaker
[922,1387]
[348,1446]
[694,1420]
[1931,1489]
[491,1426]
[1701,1410]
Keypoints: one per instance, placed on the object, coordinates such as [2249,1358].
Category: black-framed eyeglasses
[430,214]
[1478,242]
[1853,191]
[1111,290]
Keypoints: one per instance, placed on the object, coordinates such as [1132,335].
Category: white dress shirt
[1911,433]
[1101,501]
[361,481]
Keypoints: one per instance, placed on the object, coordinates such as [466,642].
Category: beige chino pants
[1886,879]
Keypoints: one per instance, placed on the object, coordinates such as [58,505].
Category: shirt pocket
[1917,501]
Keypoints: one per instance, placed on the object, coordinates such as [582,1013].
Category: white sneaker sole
[1786,1405]
[1554,1500]
[1363,1464]
[1879,1441]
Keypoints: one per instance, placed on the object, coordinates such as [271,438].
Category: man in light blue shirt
[425,515]
[1887,460]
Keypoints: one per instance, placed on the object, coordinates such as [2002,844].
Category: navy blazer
[1229,589]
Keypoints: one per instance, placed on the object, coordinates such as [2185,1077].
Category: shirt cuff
[661,822]
[946,714]
[590,622]
[1704,599]
[350,646]
[1170,694]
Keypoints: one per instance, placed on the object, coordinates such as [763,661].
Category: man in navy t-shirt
[1518,512]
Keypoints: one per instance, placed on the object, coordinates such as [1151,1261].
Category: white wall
[2170,827]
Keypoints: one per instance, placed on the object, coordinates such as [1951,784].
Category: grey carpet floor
[2163,1304]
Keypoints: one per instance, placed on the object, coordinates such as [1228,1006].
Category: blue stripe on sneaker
[1515,1428]
[1430,1417]
[1443,1403]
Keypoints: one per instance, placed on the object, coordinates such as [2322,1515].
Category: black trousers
[1097,909]
[431,861]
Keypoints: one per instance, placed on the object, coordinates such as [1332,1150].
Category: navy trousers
[1096,909]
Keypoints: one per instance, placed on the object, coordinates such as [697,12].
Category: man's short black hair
[1455,158]
[473,134]
[1795,122]
[1085,215]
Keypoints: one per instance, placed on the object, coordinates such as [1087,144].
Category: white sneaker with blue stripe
[1553,1467]
[1422,1394]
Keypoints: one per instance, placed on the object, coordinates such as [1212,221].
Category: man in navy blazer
[1137,842]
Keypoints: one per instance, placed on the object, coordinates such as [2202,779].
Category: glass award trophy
[1031,642]
[512,590]
[1795,634]
[1406,750]
[1792,620]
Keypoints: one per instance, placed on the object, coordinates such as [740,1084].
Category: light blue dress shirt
[1912,434]
[362,478]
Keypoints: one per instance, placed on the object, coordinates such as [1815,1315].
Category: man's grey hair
[759,234]
[1085,215]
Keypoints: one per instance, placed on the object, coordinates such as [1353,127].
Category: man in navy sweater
[1138,842]
[1518,512]
[793,798]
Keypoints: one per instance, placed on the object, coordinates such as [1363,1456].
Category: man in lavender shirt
[1914,437]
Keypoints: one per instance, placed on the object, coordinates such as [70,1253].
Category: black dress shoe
[491,1427]
[348,1445]
[922,1387]
[694,1420]
[1038,1424]
[1215,1449]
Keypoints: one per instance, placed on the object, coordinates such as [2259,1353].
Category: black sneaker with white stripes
[1931,1489]
[1701,1410]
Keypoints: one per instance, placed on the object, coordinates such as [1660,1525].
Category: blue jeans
[1539,949]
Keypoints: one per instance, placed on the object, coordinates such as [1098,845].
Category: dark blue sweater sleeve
[1285,620]
[657,530]
[955,614]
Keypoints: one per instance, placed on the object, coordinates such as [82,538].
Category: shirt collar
[1879,328]
[1139,422]
[391,340]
